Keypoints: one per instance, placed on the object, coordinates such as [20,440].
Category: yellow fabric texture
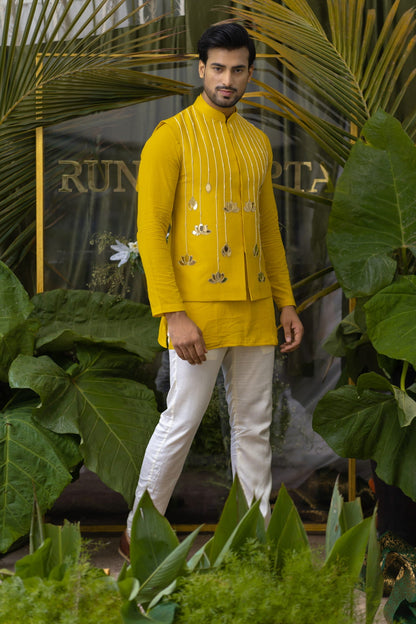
[208,229]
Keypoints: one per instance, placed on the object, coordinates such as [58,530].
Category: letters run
[98,176]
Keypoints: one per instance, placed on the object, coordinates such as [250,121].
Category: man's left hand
[292,328]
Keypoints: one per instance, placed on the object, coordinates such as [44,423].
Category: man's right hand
[186,337]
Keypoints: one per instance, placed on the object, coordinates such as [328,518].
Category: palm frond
[59,61]
[351,69]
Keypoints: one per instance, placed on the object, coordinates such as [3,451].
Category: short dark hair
[228,35]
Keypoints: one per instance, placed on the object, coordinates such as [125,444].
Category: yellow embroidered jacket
[207,219]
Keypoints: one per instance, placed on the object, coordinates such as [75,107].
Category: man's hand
[186,337]
[292,328]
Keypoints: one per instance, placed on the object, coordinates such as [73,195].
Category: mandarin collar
[212,113]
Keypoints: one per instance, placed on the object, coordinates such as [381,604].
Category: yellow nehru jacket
[208,230]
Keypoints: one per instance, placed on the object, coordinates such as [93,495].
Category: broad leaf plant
[71,391]
[359,77]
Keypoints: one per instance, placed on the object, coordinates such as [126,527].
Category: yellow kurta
[206,180]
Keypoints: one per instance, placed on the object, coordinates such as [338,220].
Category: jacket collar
[212,113]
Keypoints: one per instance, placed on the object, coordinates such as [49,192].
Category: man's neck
[228,111]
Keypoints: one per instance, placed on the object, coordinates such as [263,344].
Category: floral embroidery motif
[186,260]
[208,187]
[193,204]
[255,250]
[217,278]
[201,229]
[261,277]
[226,250]
[231,207]
[250,206]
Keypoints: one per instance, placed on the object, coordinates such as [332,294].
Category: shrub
[85,595]
[245,590]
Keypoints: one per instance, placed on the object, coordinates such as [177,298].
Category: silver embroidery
[226,250]
[231,207]
[256,250]
[217,278]
[201,229]
[186,260]
[250,206]
[208,187]
[193,204]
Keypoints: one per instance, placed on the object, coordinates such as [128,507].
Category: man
[209,240]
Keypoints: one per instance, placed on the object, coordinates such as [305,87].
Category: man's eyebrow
[242,66]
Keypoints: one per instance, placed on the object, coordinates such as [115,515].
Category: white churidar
[248,375]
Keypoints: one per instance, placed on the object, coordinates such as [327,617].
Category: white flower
[134,248]
[123,252]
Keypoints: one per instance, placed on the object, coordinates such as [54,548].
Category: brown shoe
[124,547]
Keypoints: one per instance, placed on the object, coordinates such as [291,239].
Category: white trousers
[248,373]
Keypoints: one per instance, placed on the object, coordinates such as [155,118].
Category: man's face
[225,77]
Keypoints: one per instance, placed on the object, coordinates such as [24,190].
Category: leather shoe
[124,547]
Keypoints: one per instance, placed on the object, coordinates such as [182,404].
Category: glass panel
[90,201]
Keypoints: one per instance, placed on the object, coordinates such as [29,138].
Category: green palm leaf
[58,62]
[353,70]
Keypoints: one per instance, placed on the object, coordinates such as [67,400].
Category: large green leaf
[374,208]
[15,305]
[69,316]
[333,525]
[367,426]
[347,335]
[246,529]
[20,339]
[157,557]
[285,532]
[152,539]
[374,580]
[350,548]
[233,511]
[391,318]
[115,416]
[29,462]
[60,549]
[406,405]
[167,572]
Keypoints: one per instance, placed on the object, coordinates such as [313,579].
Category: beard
[223,101]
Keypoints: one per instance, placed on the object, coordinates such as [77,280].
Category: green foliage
[372,223]
[75,59]
[30,460]
[55,584]
[245,572]
[70,369]
[372,242]
[83,596]
[247,590]
[60,328]
[285,531]
[353,67]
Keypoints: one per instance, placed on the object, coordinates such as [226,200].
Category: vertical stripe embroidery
[230,159]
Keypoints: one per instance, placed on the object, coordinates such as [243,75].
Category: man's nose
[227,77]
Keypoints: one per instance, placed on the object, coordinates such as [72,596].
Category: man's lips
[225,91]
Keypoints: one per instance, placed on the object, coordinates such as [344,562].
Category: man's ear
[201,69]
[250,71]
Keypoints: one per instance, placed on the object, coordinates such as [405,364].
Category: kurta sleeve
[272,244]
[157,181]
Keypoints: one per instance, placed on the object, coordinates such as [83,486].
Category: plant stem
[403,376]
[405,265]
